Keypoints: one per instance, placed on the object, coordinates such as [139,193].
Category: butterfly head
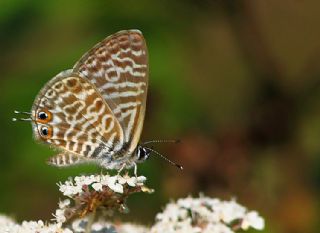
[142,153]
[40,119]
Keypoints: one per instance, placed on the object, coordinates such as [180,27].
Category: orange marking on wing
[49,134]
[44,121]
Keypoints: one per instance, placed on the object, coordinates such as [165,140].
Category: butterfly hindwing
[65,159]
[71,115]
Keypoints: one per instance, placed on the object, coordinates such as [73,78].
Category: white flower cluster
[97,182]
[88,193]
[107,227]
[204,214]
[188,215]
[104,194]
[7,225]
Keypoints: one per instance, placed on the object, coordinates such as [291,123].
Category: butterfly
[95,111]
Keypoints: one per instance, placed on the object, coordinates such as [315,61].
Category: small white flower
[217,227]
[63,204]
[171,213]
[141,180]
[104,180]
[91,179]
[230,211]
[79,179]
[131,181]
[68,189]
[113,184]
[121,179]
[185,202]
[59,216]
[252,219]
[97,186]
[111,180]
[118,188]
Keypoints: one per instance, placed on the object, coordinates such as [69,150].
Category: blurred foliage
[236,81]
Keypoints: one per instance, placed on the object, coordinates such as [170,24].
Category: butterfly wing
[118,68]
[70,114]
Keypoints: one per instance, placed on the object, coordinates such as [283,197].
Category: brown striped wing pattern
[70,114]
[118,68]
[95,111]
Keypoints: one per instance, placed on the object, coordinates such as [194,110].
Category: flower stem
[90,222]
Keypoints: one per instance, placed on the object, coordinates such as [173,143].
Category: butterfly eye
[42,115]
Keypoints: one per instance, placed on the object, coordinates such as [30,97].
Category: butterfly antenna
[162,141]
[165,158]
[25,113]
[22,119]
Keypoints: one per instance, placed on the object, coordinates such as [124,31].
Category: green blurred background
[236,81]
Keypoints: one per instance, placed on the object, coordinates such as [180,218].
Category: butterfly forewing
[78,120]
[118,68]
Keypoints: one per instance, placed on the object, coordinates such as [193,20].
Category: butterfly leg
[135,171]
[101,171]
[121,168]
